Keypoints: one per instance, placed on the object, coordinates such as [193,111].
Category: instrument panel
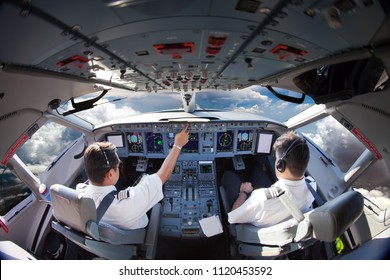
[191,192]
[216,139]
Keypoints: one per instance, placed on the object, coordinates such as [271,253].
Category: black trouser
[232,182]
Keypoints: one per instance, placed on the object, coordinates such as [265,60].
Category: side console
[190,195]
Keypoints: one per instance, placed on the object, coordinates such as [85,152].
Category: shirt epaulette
[273,192]
[123,194]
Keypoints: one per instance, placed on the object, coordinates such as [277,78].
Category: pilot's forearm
[240,200]
[169,164]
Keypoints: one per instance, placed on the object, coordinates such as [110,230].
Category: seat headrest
[72,208]
[334,217]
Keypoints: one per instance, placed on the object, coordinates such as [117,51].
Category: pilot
[260,207]
[129,207]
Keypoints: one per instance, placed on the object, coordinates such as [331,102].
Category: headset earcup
[281,165]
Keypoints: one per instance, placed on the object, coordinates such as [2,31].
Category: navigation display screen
[225,141]
[154,142]
[192,145]
[264,142]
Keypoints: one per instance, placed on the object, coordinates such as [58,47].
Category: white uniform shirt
[129,213]
[261,212]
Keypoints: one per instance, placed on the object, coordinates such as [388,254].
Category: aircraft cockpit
[191,193]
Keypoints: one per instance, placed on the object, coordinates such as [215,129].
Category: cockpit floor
[193,249]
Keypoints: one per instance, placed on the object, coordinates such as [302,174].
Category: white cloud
[379,196]
[302,107]
[255,109]
[44,146]
[106,111]
[344,149]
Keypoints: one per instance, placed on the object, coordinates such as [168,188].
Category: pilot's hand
[246,187]
[182,137]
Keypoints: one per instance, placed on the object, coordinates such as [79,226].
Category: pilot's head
[102,163]
[292,156]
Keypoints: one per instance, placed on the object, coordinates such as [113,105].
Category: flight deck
[191,193]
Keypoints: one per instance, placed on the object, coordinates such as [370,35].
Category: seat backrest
[74,209]
[324,223]
[78,211]
[334,217]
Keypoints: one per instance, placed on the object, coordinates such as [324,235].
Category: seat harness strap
[278,192]
[286,201]
[317,198]
[103,206]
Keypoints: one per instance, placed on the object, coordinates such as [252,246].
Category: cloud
[344,149]
[341,145]
[110,107]
[106,111]
[45,145]
[255,109]
[379,196]
[302,107]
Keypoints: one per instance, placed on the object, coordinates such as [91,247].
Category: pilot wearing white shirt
[128,209]
[260,207]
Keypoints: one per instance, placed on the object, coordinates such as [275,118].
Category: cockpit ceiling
[183,45]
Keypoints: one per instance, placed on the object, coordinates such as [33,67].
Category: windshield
[119,103]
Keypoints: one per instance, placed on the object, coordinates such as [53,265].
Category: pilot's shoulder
[81,187]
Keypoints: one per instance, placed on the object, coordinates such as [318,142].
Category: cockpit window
[344,149]
[45,145]
[12,190]
[326,132]
[256,99]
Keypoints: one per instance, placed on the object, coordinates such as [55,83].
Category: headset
[281,164]
[107,164]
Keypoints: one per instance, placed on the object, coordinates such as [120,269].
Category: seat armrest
[152,232]
[225,202]
[93,230]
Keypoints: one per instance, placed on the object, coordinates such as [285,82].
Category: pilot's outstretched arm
[170,161]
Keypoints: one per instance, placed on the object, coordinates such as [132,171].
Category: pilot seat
[75,218]
[325,223]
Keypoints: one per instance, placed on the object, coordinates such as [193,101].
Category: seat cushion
[279,235]
[114,235]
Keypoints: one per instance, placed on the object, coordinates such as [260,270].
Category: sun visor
[343,81]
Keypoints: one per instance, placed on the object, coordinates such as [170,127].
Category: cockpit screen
[206,168]
[154,142]
[192,145]
[225,141]
[264,143]
[244,140]
[135,142]
[116,139]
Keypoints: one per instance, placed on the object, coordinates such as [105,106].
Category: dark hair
[297,157]
[99,158]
